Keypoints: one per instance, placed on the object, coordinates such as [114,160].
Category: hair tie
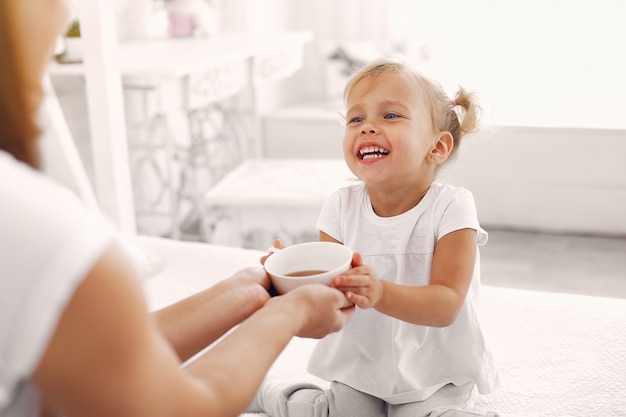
[453,103]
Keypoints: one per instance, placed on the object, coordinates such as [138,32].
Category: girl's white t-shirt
[48,243]
[385,357]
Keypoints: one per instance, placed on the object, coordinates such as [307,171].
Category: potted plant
[73,50]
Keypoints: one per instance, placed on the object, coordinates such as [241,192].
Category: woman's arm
[108,357]
[193,323]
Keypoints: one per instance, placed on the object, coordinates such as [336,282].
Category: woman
[75,335]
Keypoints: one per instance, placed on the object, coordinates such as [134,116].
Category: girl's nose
[368,128]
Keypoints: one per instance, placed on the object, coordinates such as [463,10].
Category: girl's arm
[108,357]
[436,304]
[326,238]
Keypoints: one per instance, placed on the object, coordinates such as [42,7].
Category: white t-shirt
[385,357]
[48,243]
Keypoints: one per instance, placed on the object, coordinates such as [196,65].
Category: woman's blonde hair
[459,116]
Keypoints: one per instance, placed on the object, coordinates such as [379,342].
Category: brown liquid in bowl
[306,273]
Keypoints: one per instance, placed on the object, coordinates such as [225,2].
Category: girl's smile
[368,152]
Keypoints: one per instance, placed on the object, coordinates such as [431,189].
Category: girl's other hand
[277,245]
[360,284]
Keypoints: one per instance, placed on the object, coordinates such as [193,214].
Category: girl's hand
[277,245]
[360,284]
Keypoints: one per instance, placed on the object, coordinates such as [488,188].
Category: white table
[264,199]
[183,135]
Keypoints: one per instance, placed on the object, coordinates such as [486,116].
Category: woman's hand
[360,284]
[250,282]
[324,309]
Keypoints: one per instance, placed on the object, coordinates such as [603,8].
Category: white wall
[545,179]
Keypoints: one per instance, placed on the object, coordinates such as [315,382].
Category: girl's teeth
[370,152]
[373,155]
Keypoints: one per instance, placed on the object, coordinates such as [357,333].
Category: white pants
[308,400]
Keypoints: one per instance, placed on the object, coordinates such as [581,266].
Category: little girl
[414,346]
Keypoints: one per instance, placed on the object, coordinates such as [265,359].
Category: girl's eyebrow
[353,108]
[393,103]
[384,103]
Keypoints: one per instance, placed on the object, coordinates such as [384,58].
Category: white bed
[559,354]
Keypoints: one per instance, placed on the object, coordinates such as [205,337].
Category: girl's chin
[367,170]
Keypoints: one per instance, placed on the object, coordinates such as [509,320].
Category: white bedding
[559,354]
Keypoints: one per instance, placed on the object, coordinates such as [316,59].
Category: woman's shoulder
[28,193]
[37,209]
[21,183]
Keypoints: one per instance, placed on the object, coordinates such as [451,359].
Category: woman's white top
[385,357]
[48,243]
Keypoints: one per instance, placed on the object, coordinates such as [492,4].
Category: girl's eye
[391,116]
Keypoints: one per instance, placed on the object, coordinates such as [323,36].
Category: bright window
[534,62]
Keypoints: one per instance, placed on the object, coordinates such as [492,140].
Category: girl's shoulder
[444,193]
[351,190]
[449,189]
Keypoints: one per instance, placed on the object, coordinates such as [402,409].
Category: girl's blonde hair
[459,116]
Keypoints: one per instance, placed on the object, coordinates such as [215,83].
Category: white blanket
[559,354]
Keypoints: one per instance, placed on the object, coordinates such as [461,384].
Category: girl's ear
[442,148]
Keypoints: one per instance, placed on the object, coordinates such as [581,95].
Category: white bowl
[330,258]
